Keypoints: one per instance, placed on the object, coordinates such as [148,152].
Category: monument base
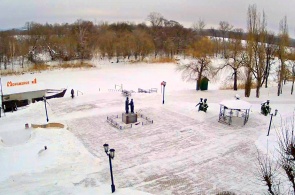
[129,118]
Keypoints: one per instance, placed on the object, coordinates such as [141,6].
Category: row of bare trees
[84,39]
[252,54]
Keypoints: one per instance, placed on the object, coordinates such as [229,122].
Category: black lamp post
[164,84]
[44,98]
[271,115]
[111,154]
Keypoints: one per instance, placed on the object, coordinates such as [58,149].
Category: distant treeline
[252,52]
[84,39]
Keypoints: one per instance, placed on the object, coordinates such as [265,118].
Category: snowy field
[183,152]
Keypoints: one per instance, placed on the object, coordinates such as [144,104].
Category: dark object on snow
[126,93]
[204,83]
[45,147]
[131,106]
[205,105]
[202,105]
[12,105]
[127,105]
[265,108]
[72,93]
[57,95]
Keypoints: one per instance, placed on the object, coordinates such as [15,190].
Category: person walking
[72,93]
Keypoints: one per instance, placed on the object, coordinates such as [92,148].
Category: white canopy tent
[234,108]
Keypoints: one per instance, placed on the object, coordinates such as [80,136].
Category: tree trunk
[198,84]
[292,85]
[280,80]
[279,88]
[258,88]
[267,69]
[5,63]
[248,83]
[266,81]
[200,77]
[23,59]
[235,80]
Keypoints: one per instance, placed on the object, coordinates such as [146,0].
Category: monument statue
[200,104]
[127,105]
[131,106]
[127,117]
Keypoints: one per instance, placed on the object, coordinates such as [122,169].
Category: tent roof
[236,104]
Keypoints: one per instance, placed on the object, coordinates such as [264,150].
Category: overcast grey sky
[15,13]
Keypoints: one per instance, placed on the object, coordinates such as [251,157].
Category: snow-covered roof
[236,104]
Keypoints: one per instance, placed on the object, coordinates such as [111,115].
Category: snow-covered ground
[183,152]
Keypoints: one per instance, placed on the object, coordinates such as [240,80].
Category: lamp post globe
[276,112]
[112,153]
[164,84]
[106,147]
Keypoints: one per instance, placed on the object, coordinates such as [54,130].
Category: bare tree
[156,19]
[236,55]
[278,172]
[292,61]
[202,51]
[286,141]
[107,43]
[252,28]
[270,49]
[143,44]
[267,171]
[199,26]
[225,28]
[259,51]
[282,52]
[82,31]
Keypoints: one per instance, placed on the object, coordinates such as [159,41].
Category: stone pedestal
[129,118]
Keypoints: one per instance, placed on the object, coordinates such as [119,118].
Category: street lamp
[44,98]
[271,115]
[111,154]
[164,84]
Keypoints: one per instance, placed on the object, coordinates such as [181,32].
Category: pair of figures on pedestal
[127,104]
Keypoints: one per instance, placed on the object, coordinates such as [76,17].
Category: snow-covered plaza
[183,152]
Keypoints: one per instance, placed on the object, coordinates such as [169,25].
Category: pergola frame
[235,108]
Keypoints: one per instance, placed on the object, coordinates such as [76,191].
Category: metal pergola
[230,109]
